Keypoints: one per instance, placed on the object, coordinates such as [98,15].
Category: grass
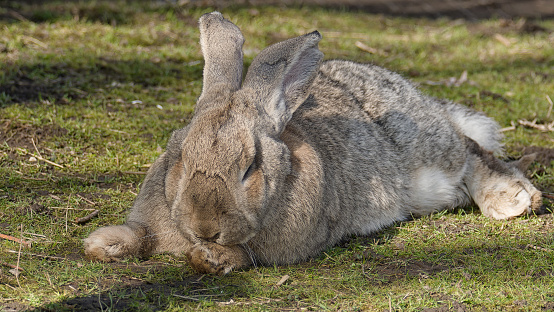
[98,87]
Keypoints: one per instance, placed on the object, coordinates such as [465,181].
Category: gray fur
[304,154]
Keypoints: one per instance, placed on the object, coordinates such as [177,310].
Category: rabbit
[304,153]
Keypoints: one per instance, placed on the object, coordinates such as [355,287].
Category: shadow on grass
[480,261]
[105,12]
[409,262]
[60,82]
[131,294]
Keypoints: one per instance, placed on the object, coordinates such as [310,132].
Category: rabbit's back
[382,143]
[391,108]
[370,150]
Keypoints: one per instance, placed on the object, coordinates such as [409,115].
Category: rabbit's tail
[478,127]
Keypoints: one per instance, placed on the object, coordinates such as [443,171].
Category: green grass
[98,87]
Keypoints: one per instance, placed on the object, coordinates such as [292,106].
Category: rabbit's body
[406,150]
[303,155]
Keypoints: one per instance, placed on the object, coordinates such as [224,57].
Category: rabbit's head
[229,164]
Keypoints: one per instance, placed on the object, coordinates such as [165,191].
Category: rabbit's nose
[211,238]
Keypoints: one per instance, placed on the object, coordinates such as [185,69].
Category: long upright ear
[281,75]
[221,43]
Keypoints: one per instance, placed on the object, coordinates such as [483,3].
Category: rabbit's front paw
[213,258]
[111,243]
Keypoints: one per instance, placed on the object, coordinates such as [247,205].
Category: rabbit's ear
[221,43]
[281,75]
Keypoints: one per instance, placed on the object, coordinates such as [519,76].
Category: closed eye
[248,172]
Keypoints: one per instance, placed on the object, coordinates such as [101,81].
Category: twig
[19,257]
[15,239]
[34,179]
[186,298]
[11,266]
[505,41]
[118,131]
[538,248]
[35,41]
[40,158]
[70,208]
[12,288]
[88,201]
[54,197]
[360,45]
[511,128]
[232,302]
[200,296]
[87,218]
[548,196]
[35,146]
[533,124]
[33,234]
[208,289]
[66,213]
[18,16]
[49,280]
[29,178]
[550,107]
[38,255]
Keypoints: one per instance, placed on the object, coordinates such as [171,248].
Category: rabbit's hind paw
[510,199]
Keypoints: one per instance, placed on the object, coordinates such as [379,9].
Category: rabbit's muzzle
[206,211]
[214,215]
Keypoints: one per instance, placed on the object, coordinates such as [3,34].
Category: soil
[18,135]
[21,88]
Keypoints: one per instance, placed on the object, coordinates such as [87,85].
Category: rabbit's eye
[248,172]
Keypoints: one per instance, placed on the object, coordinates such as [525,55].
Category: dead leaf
[369,49]
[505,41]
[54,197]
[462,79]
[282,280]
[15,272]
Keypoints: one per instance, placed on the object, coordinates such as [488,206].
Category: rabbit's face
[219,186]
[227,169]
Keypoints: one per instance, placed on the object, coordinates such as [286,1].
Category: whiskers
[251,254]
[256,258]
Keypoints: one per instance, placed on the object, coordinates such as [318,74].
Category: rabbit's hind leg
[499,189]
[434,190]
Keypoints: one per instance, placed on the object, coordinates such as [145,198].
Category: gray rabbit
[303,153]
